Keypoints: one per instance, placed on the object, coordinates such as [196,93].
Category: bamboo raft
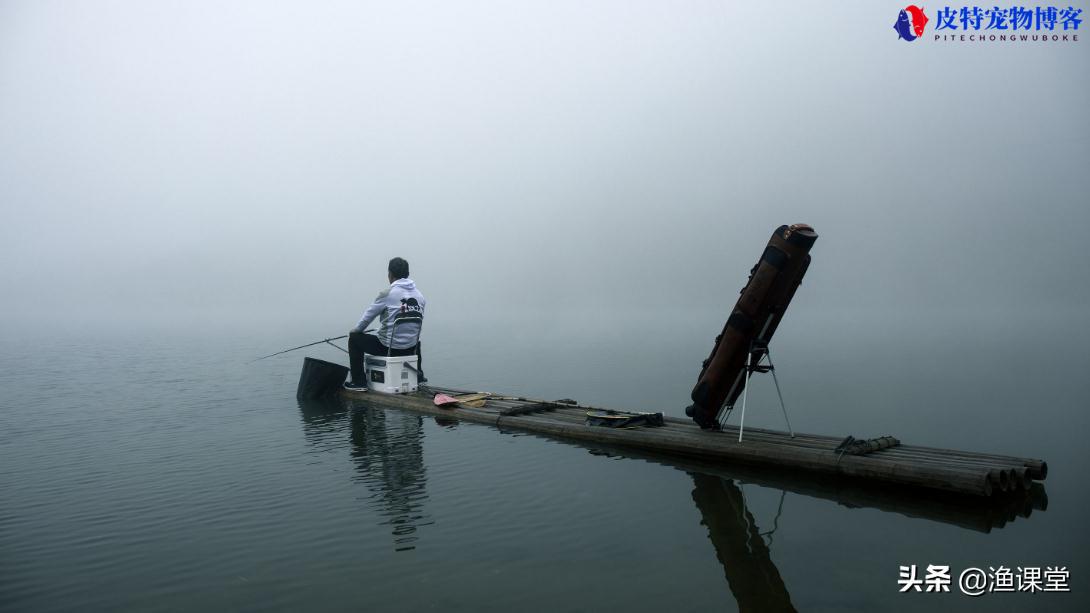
[927,468]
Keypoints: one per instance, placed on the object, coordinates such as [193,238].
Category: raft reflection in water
[386,447]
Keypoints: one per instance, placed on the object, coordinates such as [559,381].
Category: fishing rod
[324,340]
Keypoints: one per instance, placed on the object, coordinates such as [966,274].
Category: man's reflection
[388,451]
[752,575]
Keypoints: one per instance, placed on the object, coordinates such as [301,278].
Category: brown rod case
[771,285]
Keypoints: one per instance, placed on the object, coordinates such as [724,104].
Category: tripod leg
[745,389]
[783,407]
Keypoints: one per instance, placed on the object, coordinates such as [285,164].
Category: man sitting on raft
[399,301]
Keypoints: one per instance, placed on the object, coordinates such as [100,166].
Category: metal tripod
[757,352]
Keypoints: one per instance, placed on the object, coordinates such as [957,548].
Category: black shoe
[421,379]
[355,387]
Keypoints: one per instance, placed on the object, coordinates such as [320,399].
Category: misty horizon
[258,164]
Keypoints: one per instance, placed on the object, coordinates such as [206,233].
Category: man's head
[399,269]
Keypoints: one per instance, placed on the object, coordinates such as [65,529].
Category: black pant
[359,344]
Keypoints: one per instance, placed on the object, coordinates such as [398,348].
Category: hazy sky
[257,163]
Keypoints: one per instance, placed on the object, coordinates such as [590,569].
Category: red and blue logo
[910,23]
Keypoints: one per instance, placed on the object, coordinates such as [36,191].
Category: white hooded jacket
[400,302]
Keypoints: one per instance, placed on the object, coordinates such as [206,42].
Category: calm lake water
[161,472]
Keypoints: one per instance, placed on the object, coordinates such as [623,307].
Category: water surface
[161,472]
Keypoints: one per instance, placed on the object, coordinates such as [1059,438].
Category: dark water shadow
[740,546]
[323,418]
[744,550]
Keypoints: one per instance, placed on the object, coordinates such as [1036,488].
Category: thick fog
[254,165]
